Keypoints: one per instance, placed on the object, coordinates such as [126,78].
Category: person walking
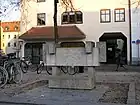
[120,60]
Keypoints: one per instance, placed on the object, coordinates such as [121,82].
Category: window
[119,15]
[41,19]
[79,17]
[40,0]
[15,36]
[72,17]
[65,17]
[6,28]
[15,44]
[8,36]
[8,44]
[105,16]
[16,28]
[3,36]
[3,44]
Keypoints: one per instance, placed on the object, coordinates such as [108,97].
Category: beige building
[9,36]
[98,20]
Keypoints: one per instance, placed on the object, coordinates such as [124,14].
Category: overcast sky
[9,10]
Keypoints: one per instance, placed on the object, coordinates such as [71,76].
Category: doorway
[34,50]
[114,41]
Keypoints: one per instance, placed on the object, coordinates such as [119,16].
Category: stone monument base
[77,81]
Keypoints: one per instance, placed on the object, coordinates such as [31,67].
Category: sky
[9,10]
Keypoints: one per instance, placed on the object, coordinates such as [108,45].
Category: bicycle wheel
[40,68]
[17,73]
[49,70]
[64,69]
[24,66]
[72,70]
[8,69]
[3,77]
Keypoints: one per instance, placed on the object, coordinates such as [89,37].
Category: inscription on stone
[71,56]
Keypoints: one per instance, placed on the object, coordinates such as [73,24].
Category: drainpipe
[130,31]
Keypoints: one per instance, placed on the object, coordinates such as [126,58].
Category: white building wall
[91,26]
[135,13]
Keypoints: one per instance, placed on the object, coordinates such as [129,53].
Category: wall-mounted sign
[137,41]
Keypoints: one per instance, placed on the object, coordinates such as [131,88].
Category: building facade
[9,36]
[135,28]
[0,34]
[102,20]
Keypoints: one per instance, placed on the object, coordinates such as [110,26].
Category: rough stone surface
[72,82]
[73,57]
[117,93]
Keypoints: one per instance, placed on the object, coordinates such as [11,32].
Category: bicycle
[3,77]
[25,63]
[65,69]
[11,64]
[69,69]
[41,67]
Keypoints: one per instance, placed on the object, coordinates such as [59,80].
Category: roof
[64,32]
[11,26]
[113,35]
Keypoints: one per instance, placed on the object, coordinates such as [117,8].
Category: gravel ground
[117,93]
[27,78]
[138,93]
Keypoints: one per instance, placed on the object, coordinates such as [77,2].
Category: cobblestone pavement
[104,76]
[46,96]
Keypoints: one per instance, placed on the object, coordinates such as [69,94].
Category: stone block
[78,81]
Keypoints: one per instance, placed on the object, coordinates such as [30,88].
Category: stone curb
[19,103]
[28,86]
[131,94]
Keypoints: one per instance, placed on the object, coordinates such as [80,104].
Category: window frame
[43,17]
[39,1]
[72,13]
[16,28]
[15,36]
[101,21]
[9,36]
[9,44]
[15,44]
[75,17]
[79,22]
[65,13]
[119,14]
[7,28]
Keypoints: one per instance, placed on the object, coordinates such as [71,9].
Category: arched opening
[114,41]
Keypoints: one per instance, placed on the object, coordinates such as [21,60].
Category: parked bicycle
[65,69]
[3,77]
[10,64]
[25,63]
[42,67]
[69,69]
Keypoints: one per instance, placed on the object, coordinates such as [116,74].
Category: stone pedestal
[77,81]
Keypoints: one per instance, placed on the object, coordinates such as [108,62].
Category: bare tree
[136,3]
[66,4]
